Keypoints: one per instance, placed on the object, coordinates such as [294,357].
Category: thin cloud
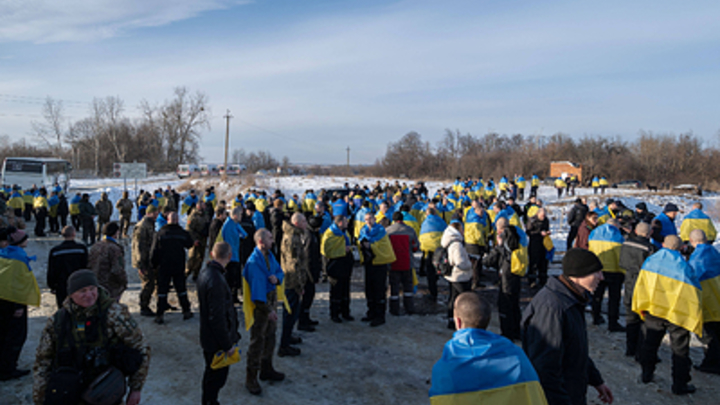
[43,21]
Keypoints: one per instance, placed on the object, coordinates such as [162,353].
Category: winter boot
[185,305]
[395,305]
[409,304]
[268,373]
[146,311]
[345,309]
[251,382]
[335,311]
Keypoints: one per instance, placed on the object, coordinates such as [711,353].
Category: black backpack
[441,261]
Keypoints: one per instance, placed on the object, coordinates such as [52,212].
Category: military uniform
[124,207]
[104,209]
[119,326]
[198,227]
[143,236]
[296,266]
[107,261]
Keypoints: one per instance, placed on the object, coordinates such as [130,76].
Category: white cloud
[43,21]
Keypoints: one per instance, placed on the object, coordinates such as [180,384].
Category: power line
[40,100]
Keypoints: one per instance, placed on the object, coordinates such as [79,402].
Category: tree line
[651,158]
[163,136]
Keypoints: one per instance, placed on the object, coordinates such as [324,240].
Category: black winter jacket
[168,249]
[555,339]
[535,237]
[218,318]
[577,214]
[64,259]
[633,253]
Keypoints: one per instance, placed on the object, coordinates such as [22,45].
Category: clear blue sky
[324,75]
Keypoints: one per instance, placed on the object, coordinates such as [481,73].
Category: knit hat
[111,229]
[580,263]
[16,238]
[81,279]
[670,207]
[641,206]
[151,209]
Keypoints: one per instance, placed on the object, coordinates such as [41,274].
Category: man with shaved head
[168,256]
[474,362]
[633,253]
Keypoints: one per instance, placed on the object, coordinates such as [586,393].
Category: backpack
[441,261]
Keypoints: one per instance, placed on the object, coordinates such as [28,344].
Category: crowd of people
[265,248]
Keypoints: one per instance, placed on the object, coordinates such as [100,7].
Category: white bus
[42,172]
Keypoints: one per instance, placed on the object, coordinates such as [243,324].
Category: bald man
[168,256]
[468,368]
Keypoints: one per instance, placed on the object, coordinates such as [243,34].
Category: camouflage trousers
[149,281]
[196,255]
[124,225]
[262,334]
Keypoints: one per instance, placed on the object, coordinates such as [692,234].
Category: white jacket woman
[453,241]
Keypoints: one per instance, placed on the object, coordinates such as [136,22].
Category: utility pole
[348,157]
[227,143]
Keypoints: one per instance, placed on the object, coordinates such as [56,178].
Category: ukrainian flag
[75,205]
[257,262]
[534,181]
[705,260]
[418,211]
[360,220]
[431,233]
[40,202]
[595,182]
[410,221]
[668,288]
[210,200]
[28,198]
[16,201]
[520,181]
[333,242]
[603,215]
[605,241]
[17,281]
[292,205]
[696,219]
[475,228]
[532,211]
[379,243]
[519,260]
[261,204]
[188,203]
[480,367]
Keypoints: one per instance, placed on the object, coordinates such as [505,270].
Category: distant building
[566,169]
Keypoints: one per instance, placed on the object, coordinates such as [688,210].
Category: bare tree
[51,130]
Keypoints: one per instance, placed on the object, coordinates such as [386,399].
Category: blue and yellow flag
[668,288]
[16,201]
[410,221]
[256,285]
[606,241]
[210,200]
[480,367]
[431,233]
[189,202]
[17,281]
[705,261]
[696,219]
[603,215]
[333,243]
[379,243]
[520,260]
[476,228]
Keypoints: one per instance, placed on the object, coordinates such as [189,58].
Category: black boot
[268,373]
[185,305]
[251,382]
[345,310]
[409,304]
[395,306]
[335,311]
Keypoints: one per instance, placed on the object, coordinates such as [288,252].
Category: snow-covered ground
[349,363]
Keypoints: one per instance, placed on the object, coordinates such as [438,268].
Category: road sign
[130,170]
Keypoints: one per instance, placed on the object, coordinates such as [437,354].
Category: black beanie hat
[580,263]
[81,279]
[111,229]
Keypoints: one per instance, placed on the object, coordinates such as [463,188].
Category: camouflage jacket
[294,255]
[142,240]
[169,201]
[120,326]
[104,209]
[107,260]
[125,207]
[198,225]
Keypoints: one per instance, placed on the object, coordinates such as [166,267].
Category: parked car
[628,184]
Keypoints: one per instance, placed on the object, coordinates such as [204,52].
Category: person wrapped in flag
[606,242]
[705,261]
[480,367]
[376,254]
[232,233]
[668,297]
[431,233]
[697,219]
